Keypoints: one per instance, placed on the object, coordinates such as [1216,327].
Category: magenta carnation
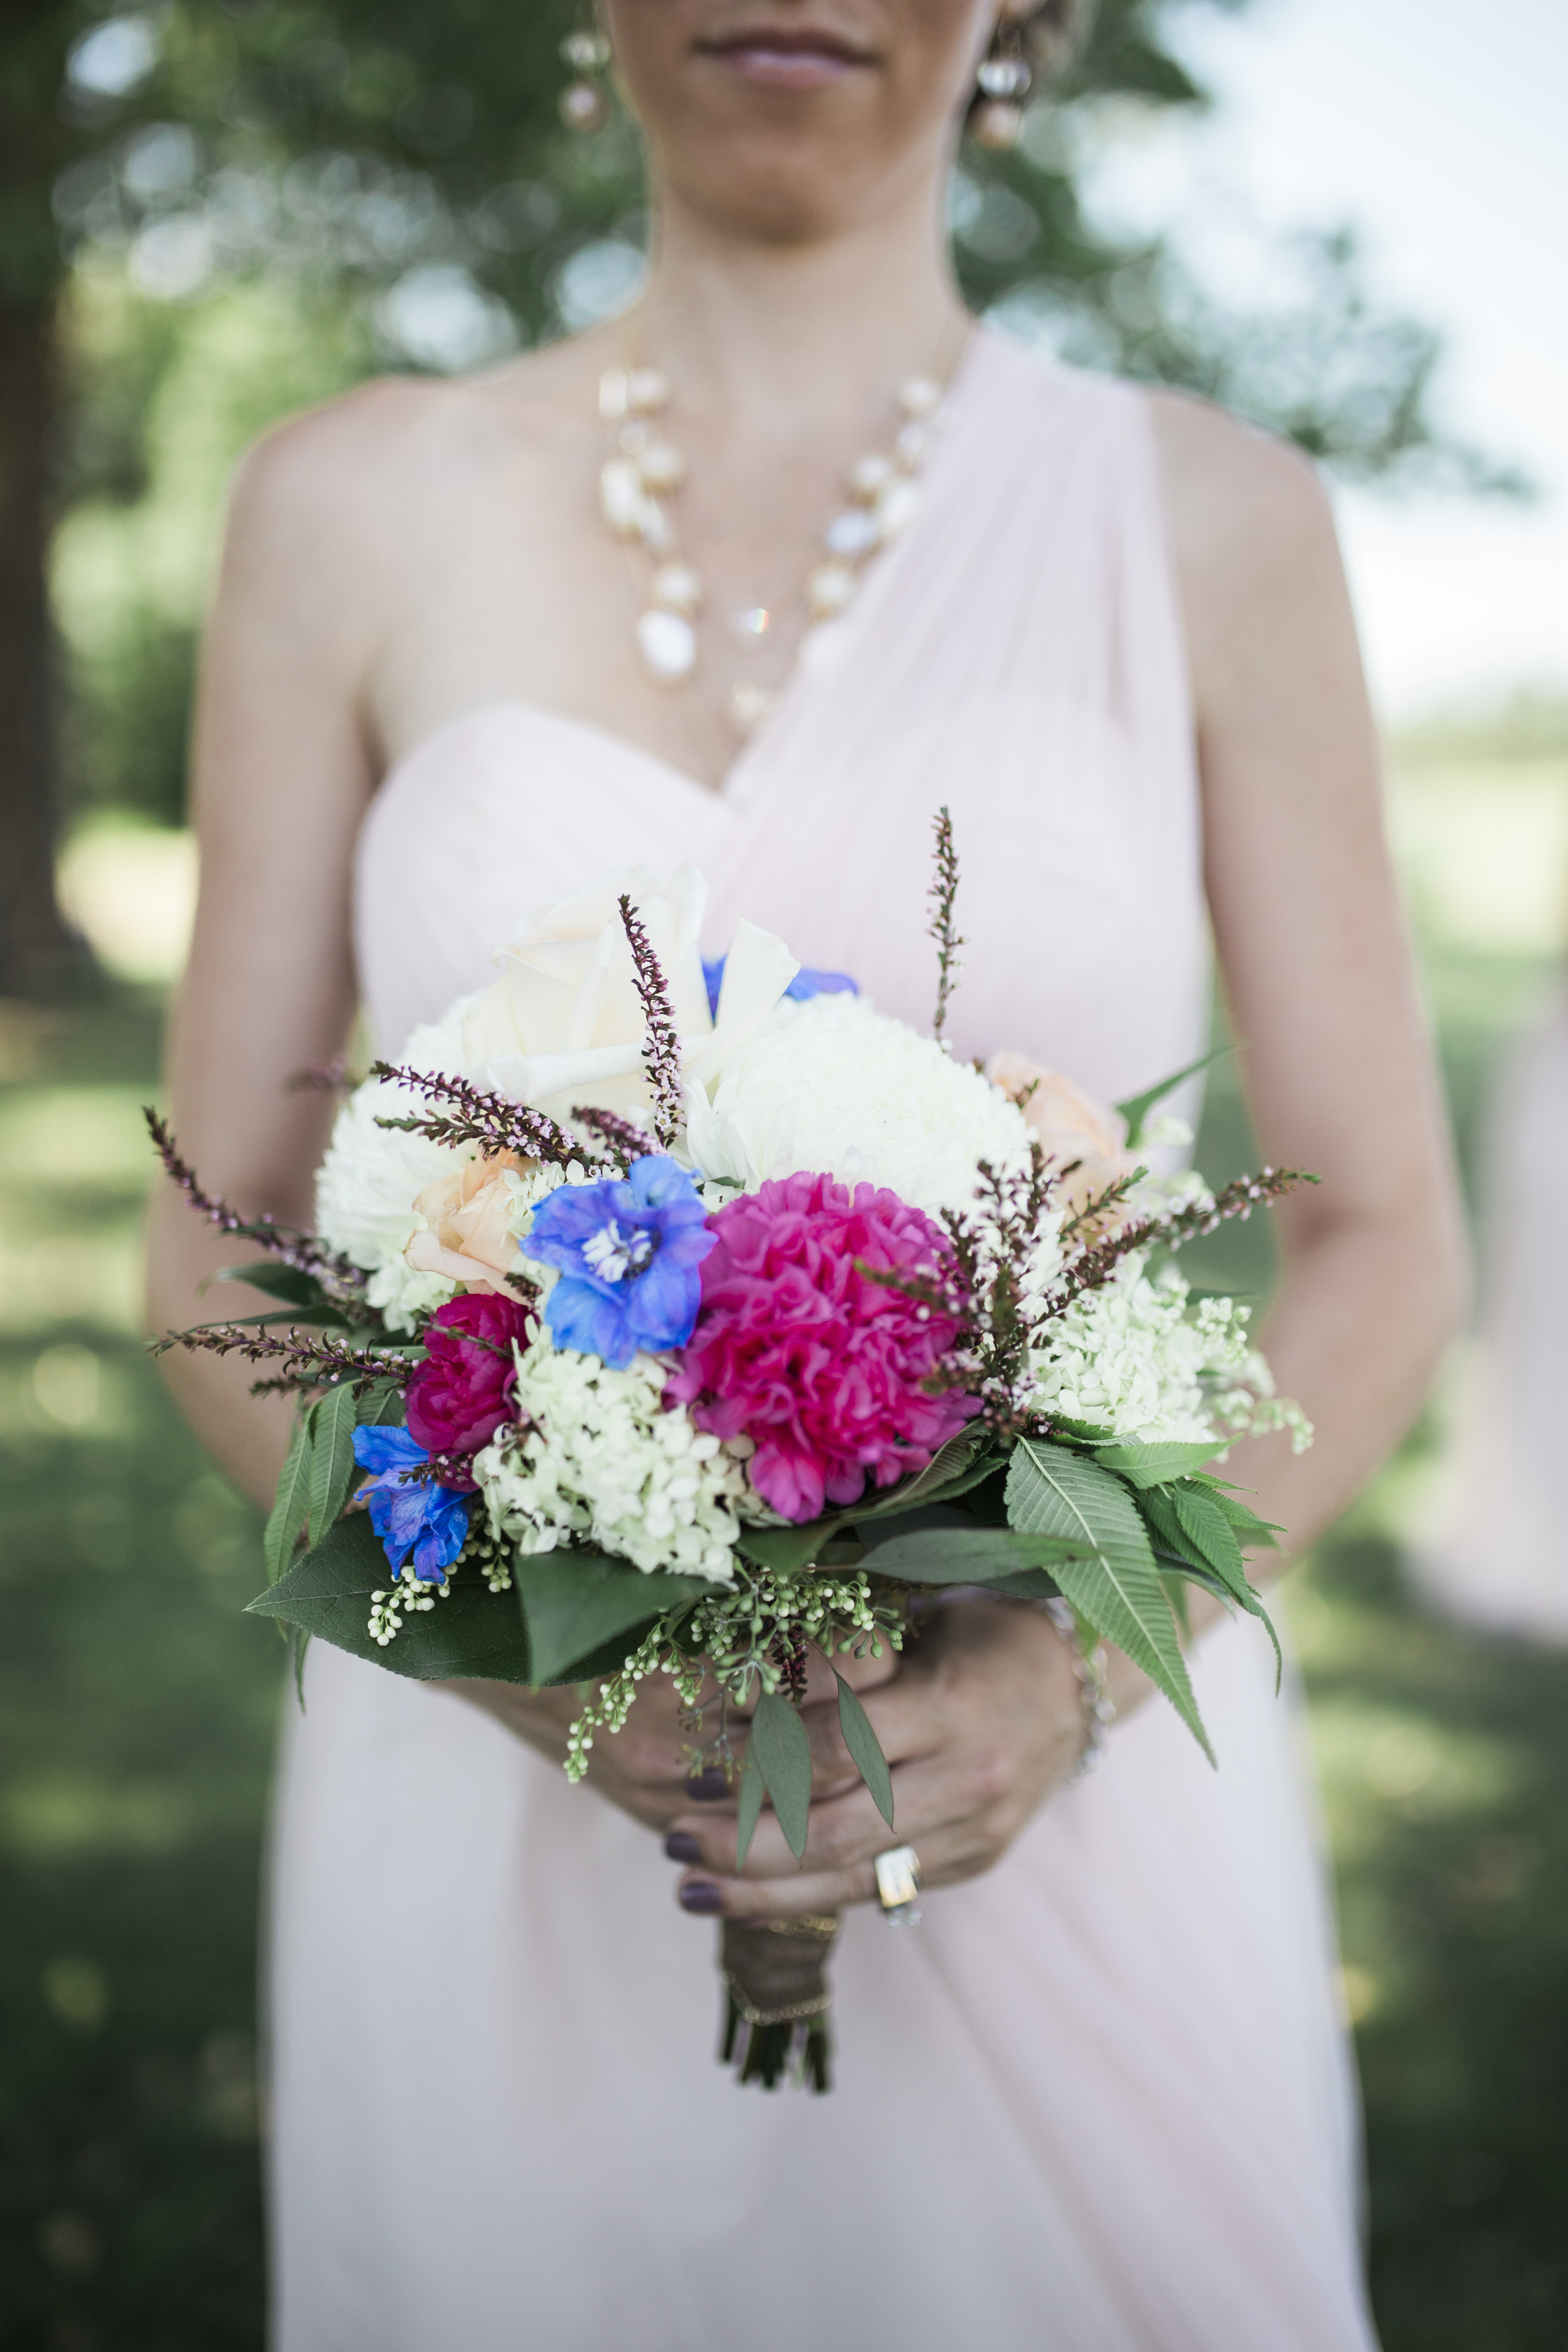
[458,1397]
[822,1366]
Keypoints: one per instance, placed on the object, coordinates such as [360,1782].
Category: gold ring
[899,1885]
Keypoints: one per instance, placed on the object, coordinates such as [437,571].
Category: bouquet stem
[777,2001]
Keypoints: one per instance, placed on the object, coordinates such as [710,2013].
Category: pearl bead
[852,532]
[658,531]
[647,391]
[662,467]
[622,497]
[911,444]
[667,643]
[868,476]
[750,705]
[613,394]
[920,395]
[583,107]
[585,52]
[896,508]
[1004,77]
[997,125]
[678,589]
[828,588]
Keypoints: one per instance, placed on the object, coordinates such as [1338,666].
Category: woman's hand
[981,1722]
[645,1768]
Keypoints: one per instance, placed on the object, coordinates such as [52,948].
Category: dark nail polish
[681,1846]
[708,1786]
[702,1897]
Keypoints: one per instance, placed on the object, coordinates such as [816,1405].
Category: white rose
[565,1024]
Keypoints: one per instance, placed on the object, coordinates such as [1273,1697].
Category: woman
[1100,2101]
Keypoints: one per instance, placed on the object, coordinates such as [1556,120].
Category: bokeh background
[1336,218]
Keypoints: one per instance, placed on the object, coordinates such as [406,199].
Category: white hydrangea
[602,1460]
[1132,1359]
[832,1086]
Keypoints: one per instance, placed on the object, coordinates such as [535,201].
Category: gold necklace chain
[644,471]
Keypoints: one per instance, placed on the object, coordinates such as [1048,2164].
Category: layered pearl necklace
[643,473]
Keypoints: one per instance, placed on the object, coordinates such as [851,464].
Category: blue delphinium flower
[628,1254]
[805,983]
[410,1514]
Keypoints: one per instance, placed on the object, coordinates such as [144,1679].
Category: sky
[1437,129]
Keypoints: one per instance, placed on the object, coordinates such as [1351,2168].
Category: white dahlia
[833,1086]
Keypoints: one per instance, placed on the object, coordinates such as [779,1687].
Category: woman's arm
[981,1725]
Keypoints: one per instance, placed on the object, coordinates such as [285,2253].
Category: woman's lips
[777,65]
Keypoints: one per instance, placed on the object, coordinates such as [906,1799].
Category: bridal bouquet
[671,1318]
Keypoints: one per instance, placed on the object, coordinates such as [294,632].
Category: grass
[136,1712]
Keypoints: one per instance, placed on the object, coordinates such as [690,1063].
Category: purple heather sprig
[1096,1263]
[618,1138]
[483,1116]
[302,1251]
[661,1042]
[943,894]
[311,1359]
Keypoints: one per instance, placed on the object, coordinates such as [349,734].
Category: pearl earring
[1003,81]
[584,103]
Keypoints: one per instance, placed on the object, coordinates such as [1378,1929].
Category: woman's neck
[790,333]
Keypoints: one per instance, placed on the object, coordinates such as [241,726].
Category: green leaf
[963,1462]
[865,1748]
[289,1282]
[474,1632]
[965,1554]
[749,1808]
[1186,1520]
[380,1406]
[576,1601]
[1116,1587]
[783,1749]
[1136,1108]
[333,1466]
[290,1505]
[1154,1466]
[1254,1534]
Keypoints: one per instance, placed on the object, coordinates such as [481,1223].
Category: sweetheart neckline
[540,714]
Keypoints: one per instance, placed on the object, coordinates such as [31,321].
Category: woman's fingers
[947,1855]
[844,1832]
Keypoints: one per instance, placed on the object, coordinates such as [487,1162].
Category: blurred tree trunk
[40,955]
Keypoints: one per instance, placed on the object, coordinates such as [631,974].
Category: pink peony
[460,1394]
[821,1367]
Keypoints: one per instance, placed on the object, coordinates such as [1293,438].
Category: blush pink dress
[1101,2100]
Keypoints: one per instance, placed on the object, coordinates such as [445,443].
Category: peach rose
[1070,1125]
[465,1235]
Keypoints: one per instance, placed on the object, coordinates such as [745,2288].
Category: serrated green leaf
[576,1601]
[1210,1534]
[290,1503]
[964,1553]
[381,1406]
[780,1743]
[289,1282]
[474,1632]
[865,1748]
[333,1466]
[1116,1587]
[300,1642]
[963,1462]
[1136,1108]
[1154,1466]
[748,1808]
[1253,1533]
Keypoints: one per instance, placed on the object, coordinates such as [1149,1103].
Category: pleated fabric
[1100,2101]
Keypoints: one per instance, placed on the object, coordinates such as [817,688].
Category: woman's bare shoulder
[1235,495]
[331,482]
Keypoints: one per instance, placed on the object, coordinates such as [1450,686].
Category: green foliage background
[295,195]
